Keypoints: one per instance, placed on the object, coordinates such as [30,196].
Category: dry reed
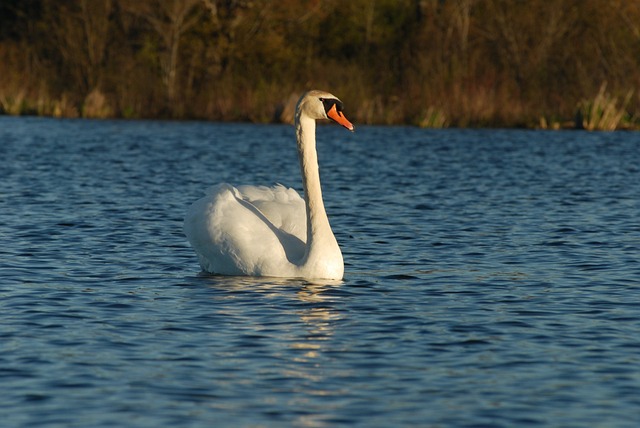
[603,112]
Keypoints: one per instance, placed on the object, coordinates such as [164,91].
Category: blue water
[492,280]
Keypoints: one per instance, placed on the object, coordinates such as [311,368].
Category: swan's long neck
[319,232]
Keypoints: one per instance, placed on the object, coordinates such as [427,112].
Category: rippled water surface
[492,280]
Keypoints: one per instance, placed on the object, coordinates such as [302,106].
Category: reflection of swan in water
[319,320]
[299,336]
[315,311]
[260,231]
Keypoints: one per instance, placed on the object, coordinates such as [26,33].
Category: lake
[492,279]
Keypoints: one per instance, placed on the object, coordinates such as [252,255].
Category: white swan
[272,231]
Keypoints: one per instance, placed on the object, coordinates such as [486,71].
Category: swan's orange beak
[340,118]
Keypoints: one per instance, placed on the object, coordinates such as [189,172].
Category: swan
[272,231]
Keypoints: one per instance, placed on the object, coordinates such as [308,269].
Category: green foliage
[482,63]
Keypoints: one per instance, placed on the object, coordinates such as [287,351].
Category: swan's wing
[232,237]
[282,206]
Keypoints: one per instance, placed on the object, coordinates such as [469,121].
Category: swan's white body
[272,231]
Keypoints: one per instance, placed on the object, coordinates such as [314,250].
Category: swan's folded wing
[281,206]
[231,239]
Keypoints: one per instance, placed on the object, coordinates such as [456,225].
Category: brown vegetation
[424,62]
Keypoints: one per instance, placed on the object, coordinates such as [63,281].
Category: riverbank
[604,112]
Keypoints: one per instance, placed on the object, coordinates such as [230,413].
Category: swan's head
[322,105]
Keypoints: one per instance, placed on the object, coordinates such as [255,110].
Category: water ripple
[491,280]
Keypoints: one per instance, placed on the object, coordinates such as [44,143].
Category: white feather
[264,231]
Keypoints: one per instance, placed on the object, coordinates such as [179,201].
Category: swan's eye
[330,102]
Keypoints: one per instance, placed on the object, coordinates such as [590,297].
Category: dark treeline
[423,62]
